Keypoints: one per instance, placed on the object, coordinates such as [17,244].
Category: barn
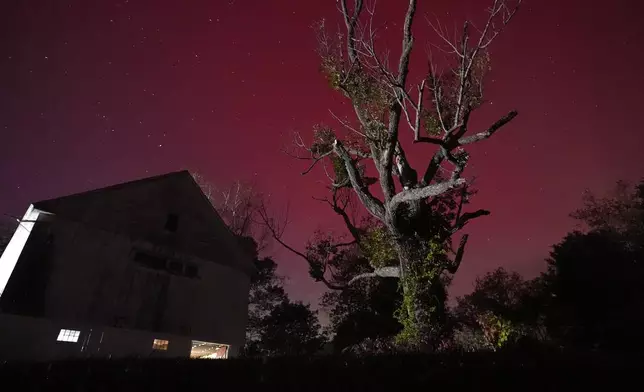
[142,268]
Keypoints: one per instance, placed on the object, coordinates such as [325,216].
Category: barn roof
[152,198]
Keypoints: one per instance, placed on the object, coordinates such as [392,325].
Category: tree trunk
[423,296]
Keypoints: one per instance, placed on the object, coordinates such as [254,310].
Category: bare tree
[436,110]
[238,205]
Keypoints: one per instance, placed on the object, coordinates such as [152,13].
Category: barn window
[68,335]
[159,344]
[172,223]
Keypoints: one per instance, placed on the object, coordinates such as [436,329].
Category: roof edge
[114,186]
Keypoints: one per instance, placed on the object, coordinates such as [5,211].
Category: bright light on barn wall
[68,335]
[13,250]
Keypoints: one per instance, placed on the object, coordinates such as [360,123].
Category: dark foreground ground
[444,373]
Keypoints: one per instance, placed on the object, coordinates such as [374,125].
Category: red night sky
[92,95]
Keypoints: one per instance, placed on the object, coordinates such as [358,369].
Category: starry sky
[100,92]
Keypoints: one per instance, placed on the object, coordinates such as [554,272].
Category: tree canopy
[291,328]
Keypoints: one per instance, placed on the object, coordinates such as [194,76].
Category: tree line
[590,297]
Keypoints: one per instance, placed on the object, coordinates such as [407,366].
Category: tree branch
[459,161]
[277,233]
[346,124]
[430,140]
[497,7]
[316,160]
[384,272]
[408,41]
[424,192]
[490,131]
[277,236]
[358,153]
[466,217]
[418,108]
[436,90]
[468,55]
[433,166]
[372,204]
[341,244]
[459,255]
[355,233]
[396,108]
[351,23]
[369,45]
[443,36]
[463,73]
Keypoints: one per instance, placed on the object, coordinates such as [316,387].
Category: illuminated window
[207,350]
[68,335]
[159,344]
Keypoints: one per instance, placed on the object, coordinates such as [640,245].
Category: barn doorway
[207,350]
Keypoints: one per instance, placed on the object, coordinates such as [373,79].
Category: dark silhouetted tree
[620,212]
[291,328]
[591,296]
[594,278]
[266,293]
[597,292]
[238,205]
[502,309]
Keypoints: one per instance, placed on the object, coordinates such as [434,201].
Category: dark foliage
[499,291]
[502,310]
[363,310]
[291,328]
[590,298]
[277,326]
[266,292]
[597,293]
[594,291]
[376,322]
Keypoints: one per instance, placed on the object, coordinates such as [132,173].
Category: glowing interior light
[207,350]
[160,344]
[13,250]
[68,335]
